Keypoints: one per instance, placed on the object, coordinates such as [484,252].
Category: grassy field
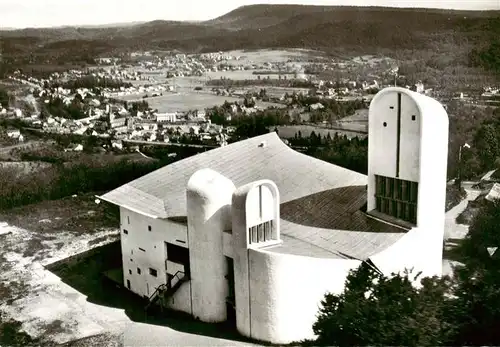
[78,214]
[360,116]
[185,101]
[273,55]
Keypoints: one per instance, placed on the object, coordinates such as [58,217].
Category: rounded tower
[209,197]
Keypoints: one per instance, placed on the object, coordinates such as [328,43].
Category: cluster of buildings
[255,233]
[108,118]
[186,65]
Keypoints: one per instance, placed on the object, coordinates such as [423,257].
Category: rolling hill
[328,28]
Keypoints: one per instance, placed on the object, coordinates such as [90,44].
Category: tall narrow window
[261,233]
[396,198]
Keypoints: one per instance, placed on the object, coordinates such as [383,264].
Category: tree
[4,98]
[487,142]
[377,310]
[477,287]
[249,102]
[483,233]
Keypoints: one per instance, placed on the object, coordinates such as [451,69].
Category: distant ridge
[327,28]
[247,11]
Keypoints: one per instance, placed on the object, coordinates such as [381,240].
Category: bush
[375,310]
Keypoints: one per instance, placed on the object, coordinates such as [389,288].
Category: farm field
[185,101]
[360,116]
[273,55]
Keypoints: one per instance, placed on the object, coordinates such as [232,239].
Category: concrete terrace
[321,203]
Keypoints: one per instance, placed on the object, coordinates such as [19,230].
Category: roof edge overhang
[128,207]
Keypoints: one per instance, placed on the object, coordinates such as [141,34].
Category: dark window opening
[413,117]
[138,271]
[261,233]
[230,280]
[131,259]
[149,227]
[129,272]
[128,284]
[396,198]
[391,107]
[153,272]
[125,231]
[179,255]
[128,220]
[142,249]
[385,124]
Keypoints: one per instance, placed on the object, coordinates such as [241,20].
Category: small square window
[138,271]
[149,227]
[153,272]
[413,117]
[130,271]
[125,231]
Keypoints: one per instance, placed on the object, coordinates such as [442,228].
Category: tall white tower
[407,162]
[209,196]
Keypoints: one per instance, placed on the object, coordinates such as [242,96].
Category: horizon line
[139,22]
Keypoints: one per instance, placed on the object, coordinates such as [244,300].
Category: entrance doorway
[230,300]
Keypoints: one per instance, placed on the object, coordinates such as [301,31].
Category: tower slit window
[396,198]
[261,233]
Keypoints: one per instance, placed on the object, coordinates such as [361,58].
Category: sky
[49,13]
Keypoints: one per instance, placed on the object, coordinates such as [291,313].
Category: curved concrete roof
[321,202]
[162,193]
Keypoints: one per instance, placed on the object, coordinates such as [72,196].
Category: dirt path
[454,231]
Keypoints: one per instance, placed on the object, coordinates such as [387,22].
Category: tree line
[56,107]
[274,116]
[89,82]
[288,83]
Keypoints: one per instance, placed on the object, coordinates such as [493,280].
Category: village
[164,98]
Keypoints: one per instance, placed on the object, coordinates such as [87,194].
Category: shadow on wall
[338,209]
[86,276]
